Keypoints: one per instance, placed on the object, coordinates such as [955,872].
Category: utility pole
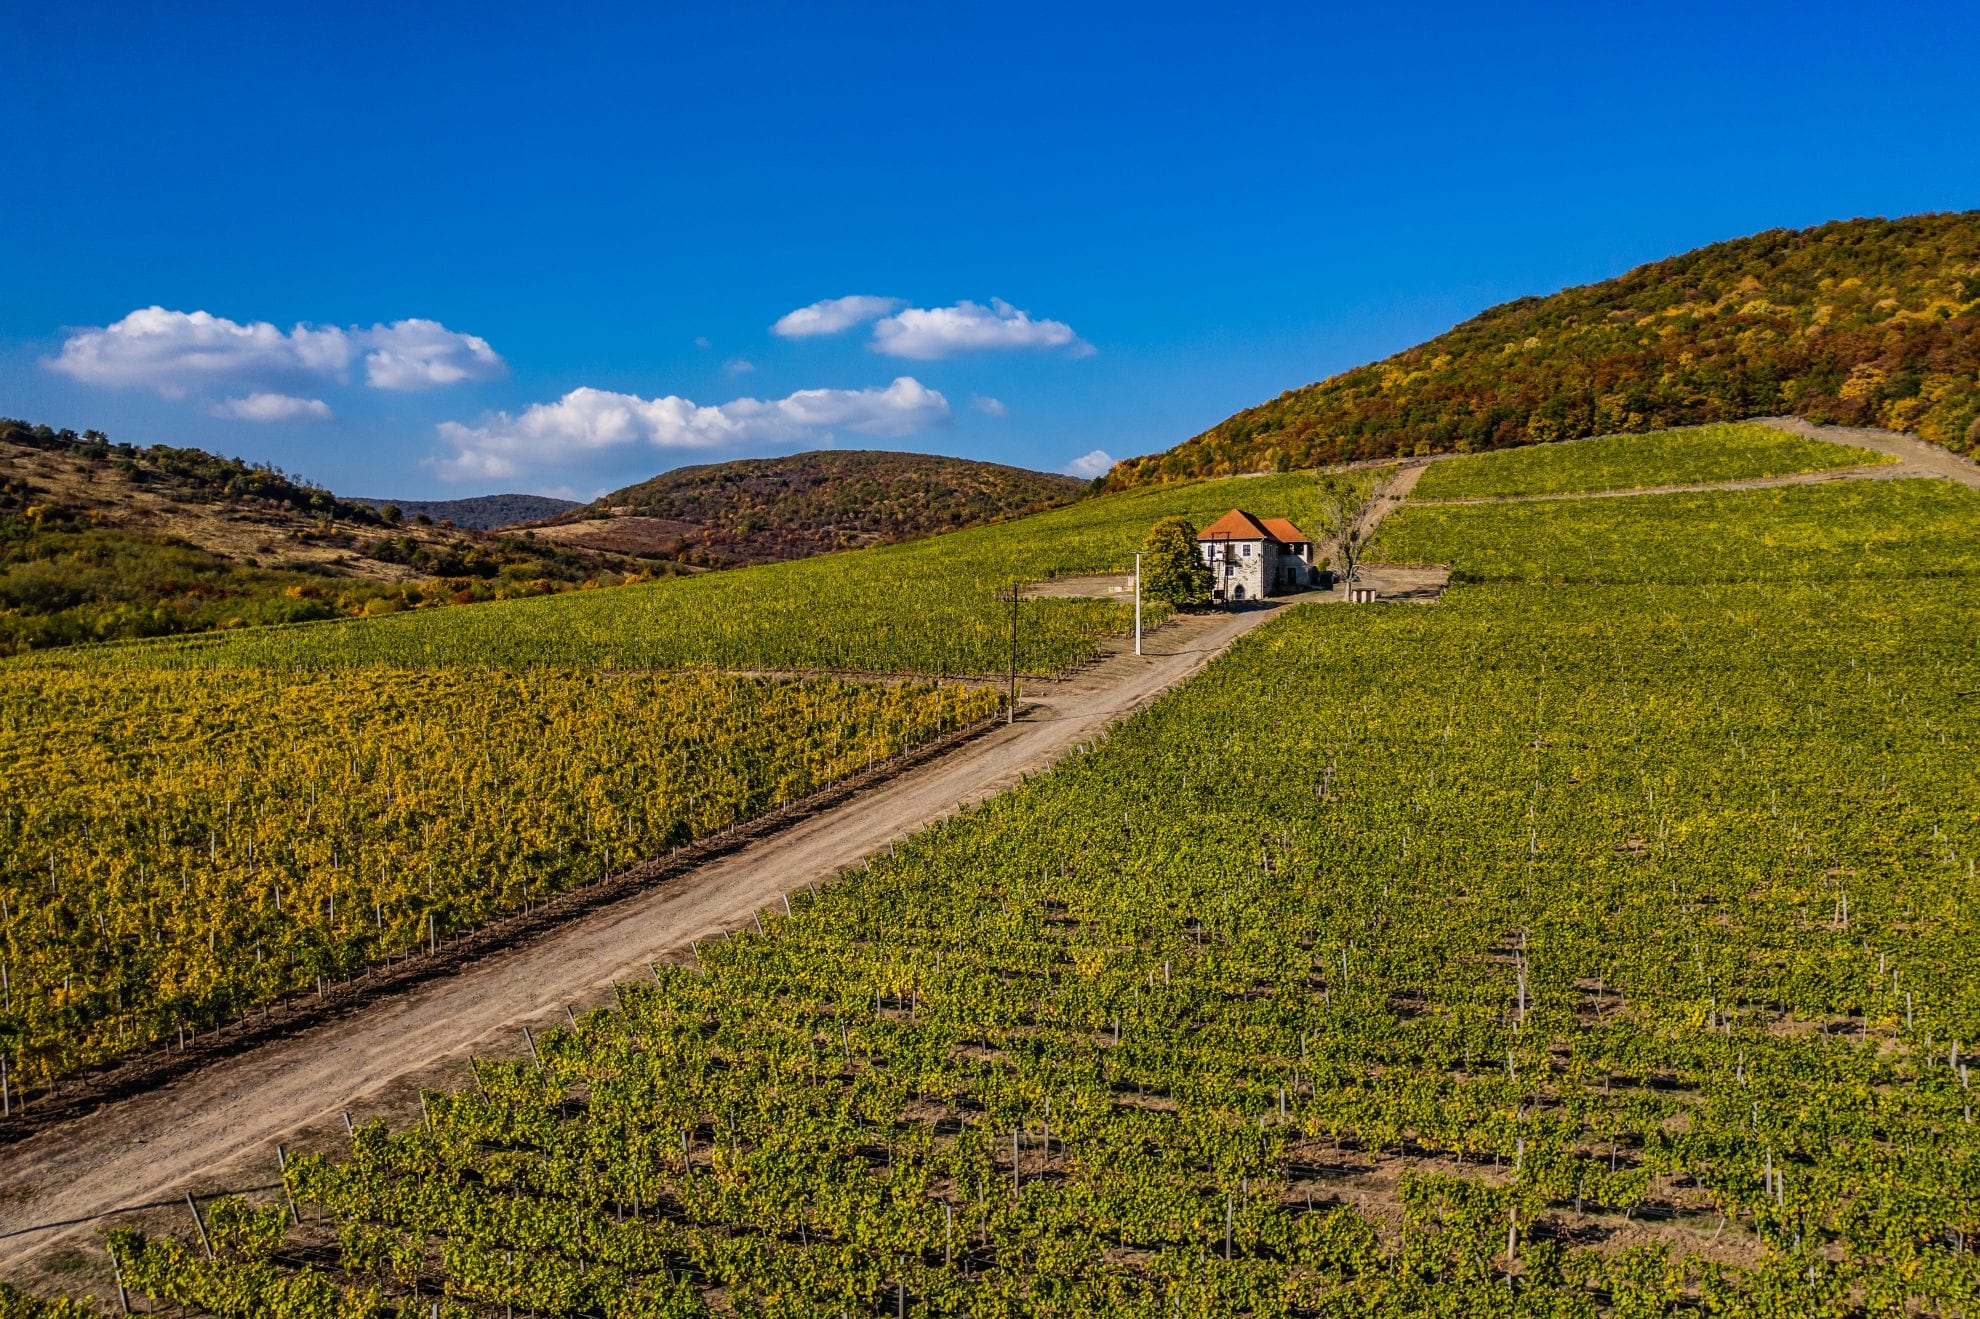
[1137,604]
[1010,715]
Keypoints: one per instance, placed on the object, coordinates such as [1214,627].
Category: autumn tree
[1343,501]
[1172,570]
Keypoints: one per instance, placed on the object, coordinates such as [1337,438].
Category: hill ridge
[1864,322]
[752,510]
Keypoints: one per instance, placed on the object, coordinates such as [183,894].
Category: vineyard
[1599,941]
[1890,530]
[926,607]
[1696,455]
[182,848]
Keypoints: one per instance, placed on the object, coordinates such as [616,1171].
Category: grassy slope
[1868,322]
[926,606]
[1390,903]
[1692,456]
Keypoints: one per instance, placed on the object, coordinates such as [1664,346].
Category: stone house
[1251,558]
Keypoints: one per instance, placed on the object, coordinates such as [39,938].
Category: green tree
[1171,569]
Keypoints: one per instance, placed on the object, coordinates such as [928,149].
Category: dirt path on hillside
[216,1128]
[1879,472]
[1919,457]
[1915,458]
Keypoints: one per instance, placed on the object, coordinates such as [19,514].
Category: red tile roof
[1240,525]
[1285,532]
[1234,525]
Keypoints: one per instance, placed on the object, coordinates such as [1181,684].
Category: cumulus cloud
[422,354]
[832,315]
[274,407]
[738,366]
[587,421]
[1089,465]
[176,351]
[930,333]
[985,404]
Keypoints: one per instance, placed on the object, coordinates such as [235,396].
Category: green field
[1692,456]
[179,848]
[1593,949]
[1889,530]
[923,607]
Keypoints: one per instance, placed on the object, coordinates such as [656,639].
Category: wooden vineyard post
[282,1164]
[1010,715]
[205,1243]
[117,1270]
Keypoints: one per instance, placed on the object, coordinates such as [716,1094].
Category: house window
[1247,551]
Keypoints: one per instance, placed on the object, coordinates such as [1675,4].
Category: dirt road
[1915,457]
[216,1128]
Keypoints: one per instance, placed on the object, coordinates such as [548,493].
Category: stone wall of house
[1232,567]
[1296,574]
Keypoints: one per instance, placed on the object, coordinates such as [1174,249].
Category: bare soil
[1920,457]
[1107,586]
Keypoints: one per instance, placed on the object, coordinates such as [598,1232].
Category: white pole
[1137,604]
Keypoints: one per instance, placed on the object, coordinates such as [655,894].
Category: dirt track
[1916,457]
[217,1128]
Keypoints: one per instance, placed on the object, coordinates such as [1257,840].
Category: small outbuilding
[1251,558]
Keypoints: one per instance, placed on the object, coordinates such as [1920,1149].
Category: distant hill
[100,541]
[762,509]
[481,513]
[1861,322]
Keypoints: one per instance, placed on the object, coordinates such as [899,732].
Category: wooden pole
[1010,716]
[117,1268]
[1137,604]
[282,1164]
[199,1223]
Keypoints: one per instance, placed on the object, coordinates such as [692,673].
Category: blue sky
[535,248]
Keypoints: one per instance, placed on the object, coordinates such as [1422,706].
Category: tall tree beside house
[1172,570]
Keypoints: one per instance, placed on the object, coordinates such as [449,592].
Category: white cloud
[832,315]
[984,403]
[422,354]
[591,420]
[273,407]
[1089,465]
[738,366]
[176,351]
[929,333]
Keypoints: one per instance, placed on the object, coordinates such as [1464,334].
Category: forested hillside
[100,541]
[477,513]
[762,509]
[1860,322]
